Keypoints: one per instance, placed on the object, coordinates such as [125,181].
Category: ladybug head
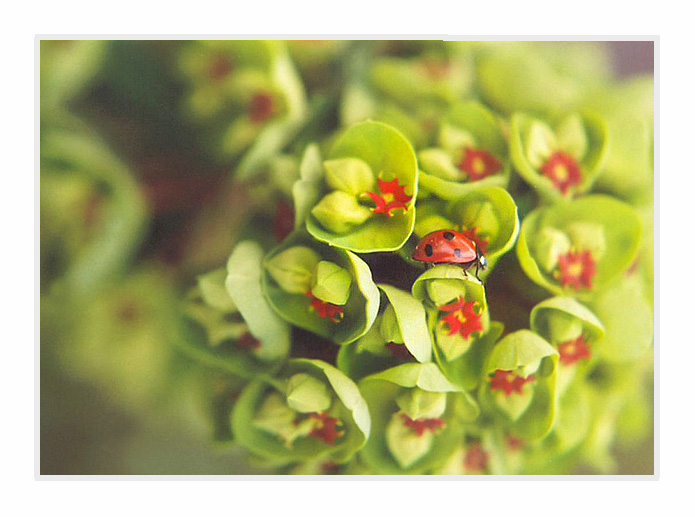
[482,261]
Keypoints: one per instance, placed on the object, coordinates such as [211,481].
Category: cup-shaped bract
[362,198]
[289,283]
[580,247]
[310,410]
[417,418]
[562,159]
[399,334]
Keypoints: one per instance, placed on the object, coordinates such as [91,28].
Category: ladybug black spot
[428,250]
[457,252]
[448,235]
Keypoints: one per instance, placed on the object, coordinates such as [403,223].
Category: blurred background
[134,204]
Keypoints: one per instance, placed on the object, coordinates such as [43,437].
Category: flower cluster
[346,354]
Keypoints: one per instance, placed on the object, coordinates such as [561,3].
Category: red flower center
[435,69]
[325,309]
[248,342]
[480,241]
[574,350]
[261,107]
[563,170]
[576,269]
[514,443]
[476,458]
[326,428]
[478,163]
[390,196]
[220,67]
[508,381]
[462,317]
[422,424]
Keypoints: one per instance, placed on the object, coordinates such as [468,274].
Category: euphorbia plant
[334,349]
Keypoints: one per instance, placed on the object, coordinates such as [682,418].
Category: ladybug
[449,247]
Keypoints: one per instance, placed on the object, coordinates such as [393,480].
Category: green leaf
[213,290]
[306,191]
[339,212]
[412,324]
[244,286]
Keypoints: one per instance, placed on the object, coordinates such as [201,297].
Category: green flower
[521,384]
[363,197]
[398,334]
[310,411]
[471,148]
[560,161]
[324,289]
[579,247]
[251,83]
[93,214]
[240,332]
[573,329]
[417,418]
[545,78]
[485,214]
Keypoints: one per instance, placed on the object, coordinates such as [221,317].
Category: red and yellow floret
[476,458]
[261,107]
[509,382]
[563,170]
[421,425]
[482,242]
[328,310]
[576,269]
[478,163]
[326,427]
[462,317]
[574,350]
[390,196]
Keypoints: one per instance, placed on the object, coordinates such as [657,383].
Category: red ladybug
[449,247]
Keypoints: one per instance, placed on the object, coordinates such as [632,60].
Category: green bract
[489,211]
[580,138]
[330,197]
[627,316]
[417,391]
[279,418]
[240,332]
[401,325]
[471,148]
[531,410]
[289,283]
[246,91]
[460,335]
[92,213]
[525,76]
[605,228]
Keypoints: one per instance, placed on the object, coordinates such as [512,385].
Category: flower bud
[350,175]
[293,268]
[339,212]
[331,283]
[307,394]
